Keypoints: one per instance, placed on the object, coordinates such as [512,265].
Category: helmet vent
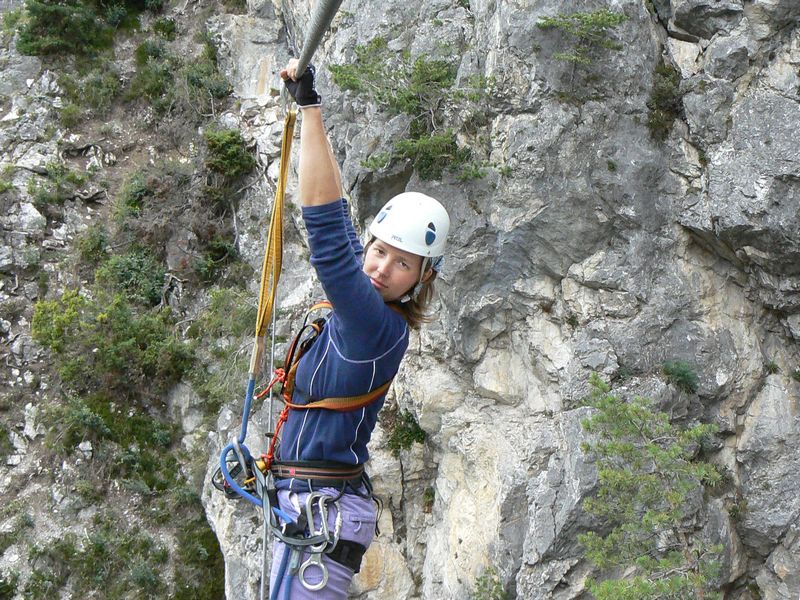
[430,235]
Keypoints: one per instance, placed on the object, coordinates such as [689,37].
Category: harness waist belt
[317,471]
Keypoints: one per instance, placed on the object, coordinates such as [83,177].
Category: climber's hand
[302,89]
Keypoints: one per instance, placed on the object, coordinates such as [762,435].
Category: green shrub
[424,89]
[796,374]
[6,447]
[665,103]
[70,115]
[115,14]
[432,154]
[121,562]
[428,498]
[588,32]
[103,345]
[217,253]
[100,87]
[132,196]
[377,161]
[404,433]
[488,587]
[227,153]
[8,585]
[55,322]
[206,83]
[681,374]
[63,27]
[136,273]
[646,545]
[771,367]
[59,185]
[11,18]
[165,27]
[230,312]
[92,245]
[149,50]
[154,80]
[200,566]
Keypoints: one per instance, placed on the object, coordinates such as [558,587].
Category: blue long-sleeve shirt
[360,348]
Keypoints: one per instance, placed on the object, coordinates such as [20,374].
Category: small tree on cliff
[584,36]
[650,486]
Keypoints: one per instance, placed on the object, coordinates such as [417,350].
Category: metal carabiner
[321,501]
[317,550]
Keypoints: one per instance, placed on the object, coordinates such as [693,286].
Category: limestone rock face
[584,243]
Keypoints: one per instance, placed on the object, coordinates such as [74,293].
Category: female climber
[377,293]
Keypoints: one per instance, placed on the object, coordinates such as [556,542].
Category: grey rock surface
[587,246]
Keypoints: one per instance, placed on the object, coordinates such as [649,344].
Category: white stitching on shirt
[363,414]
[362,362]
[317,368]
[300,435]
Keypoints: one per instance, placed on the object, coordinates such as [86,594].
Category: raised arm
[320,179]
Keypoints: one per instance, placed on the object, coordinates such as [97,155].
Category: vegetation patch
[585,36]
[92,245]
[425,90]
[8,585]
[681,375]
[488,586]
[647,545]
[587,32]
[60,184]
[136,273]
[107,345]
[96,89]
[6,447]
[68,27]
[218,253]
[404,431]
[110,557]
[665,103]
[230,316]
[227,154]
[168,81]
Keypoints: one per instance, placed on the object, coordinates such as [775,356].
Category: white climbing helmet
[413,222]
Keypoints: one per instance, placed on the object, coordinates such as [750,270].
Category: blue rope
[248,400]
[226,451]
[273,595]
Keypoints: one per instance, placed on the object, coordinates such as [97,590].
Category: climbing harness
[243,477]
[240,475]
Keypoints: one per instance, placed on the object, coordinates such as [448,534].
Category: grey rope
[324,12]
[264,553]
[265,531]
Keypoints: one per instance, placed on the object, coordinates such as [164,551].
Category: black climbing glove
[303,90]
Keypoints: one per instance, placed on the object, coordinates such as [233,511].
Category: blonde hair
[415,311]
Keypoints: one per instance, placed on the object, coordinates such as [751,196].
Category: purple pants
[358,525]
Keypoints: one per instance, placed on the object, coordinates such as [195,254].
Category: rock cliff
[595,239]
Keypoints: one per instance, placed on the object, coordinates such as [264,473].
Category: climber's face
[393,272]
